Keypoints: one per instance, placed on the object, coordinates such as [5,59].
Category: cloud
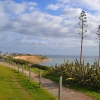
[33,3]
[84,4]
[63,1]
[15,8]
[52,7]
[90,5]
[43,25]
[25,26]
[11,7]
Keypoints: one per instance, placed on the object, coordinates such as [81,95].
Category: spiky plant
[83,75]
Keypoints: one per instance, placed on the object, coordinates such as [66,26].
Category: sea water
[59,59]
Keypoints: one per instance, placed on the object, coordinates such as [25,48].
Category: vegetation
[43,67]
[41,56]
[19,54]
[17,61]
[14,86]
[24,62]
[80,75]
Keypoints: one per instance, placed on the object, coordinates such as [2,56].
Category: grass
[35,70]
[87,91]
[14,86]
[34,90]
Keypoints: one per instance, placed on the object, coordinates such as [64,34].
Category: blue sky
[48,27]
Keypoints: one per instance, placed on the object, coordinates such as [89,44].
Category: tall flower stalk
[98,34]
[82,24]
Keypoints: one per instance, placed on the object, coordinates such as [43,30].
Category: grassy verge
[87,91]
[35,70]
[14,86]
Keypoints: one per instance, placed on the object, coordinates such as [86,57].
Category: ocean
[59,59]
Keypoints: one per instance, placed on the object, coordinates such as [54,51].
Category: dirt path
[52,87]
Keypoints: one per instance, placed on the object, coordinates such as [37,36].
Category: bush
[17,61]
[81,75]
[20,61]
[40,67]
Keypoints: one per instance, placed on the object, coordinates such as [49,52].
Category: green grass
[34,90]
[87,91]
[14,86]
[35,70]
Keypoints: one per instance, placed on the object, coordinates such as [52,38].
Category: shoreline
[48,59]
[45,60]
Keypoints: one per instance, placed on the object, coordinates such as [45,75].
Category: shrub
[40,66]
[81,75]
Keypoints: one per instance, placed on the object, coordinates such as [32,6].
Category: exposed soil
[30,58]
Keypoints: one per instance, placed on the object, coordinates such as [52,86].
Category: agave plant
[83,75]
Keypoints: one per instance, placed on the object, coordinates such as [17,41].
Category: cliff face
[32,58]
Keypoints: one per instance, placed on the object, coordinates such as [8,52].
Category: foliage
[1,58]
[81,75]
[41,56]
[40,67]
[17,61]
[20,61]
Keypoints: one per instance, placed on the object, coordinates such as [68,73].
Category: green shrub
[81,75]
[17,61]
[40,67]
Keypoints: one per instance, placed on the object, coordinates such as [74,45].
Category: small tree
[82,24]
[98,34]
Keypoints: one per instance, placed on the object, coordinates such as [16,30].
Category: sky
[48,27]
